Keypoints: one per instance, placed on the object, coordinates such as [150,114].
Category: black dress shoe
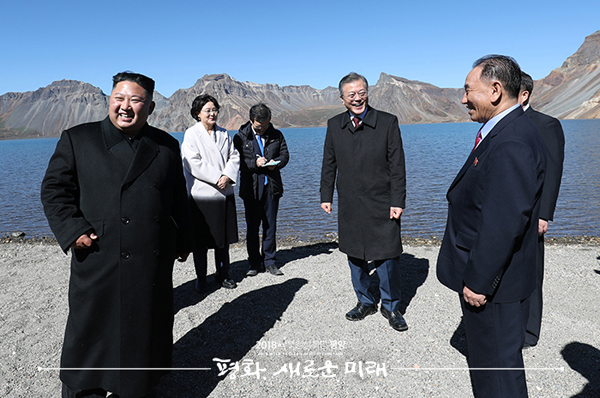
[361,311]
[252,272]
[226,283]
[527,345]
[273,270]
[395,319]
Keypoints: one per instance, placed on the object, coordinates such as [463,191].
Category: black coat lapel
[116,143]
[145,154]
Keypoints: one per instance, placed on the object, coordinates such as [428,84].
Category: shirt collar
[361,116]
[489,125]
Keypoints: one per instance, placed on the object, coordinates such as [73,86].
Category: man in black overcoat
[114,194]
[489,251]
[363,151]
[554,142]
[263,153]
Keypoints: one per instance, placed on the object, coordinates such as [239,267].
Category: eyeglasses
[351,95]
[209,111]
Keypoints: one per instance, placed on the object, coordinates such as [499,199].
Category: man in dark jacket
[554,141]
[363,148]
[488,254]
[263,153]
[114,194]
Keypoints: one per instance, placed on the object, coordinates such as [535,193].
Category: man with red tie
[489,251]
[363,150]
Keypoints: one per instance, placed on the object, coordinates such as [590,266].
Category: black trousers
[222,262]
[495,336]
[534,323]
[262,211]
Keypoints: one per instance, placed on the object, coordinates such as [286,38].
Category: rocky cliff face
[569,92]
[417,102]
[573,90]
[292,106]
[49,110]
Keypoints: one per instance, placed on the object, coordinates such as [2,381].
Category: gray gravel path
[289,336]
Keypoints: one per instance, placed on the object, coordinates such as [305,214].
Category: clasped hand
[223,181]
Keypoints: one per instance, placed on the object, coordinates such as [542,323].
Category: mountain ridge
[571,91]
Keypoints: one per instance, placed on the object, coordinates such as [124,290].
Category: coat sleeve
[396,165]
[195,162]
[329,167]
[509,201]
[60,195]
[284,155]
[247,158]
[554,139]
[181,209]
[232,166]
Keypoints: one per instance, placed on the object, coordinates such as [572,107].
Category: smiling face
[355,97]
[129,107]
[479,97]
[208,115]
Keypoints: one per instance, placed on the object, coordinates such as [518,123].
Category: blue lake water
[434,154]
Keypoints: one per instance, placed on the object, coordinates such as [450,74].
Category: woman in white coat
[210,165]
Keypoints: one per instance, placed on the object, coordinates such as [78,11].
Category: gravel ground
[288,334]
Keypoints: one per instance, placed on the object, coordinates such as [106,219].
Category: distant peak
[588,53]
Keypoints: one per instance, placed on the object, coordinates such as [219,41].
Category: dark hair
[260,113]
[502,68]
[349,78]
[199,103]
[526,83]
[128,76]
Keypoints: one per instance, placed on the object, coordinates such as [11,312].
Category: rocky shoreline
[288,334]
[17,237]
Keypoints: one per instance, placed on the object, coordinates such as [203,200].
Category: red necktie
[356,121]
[477,139]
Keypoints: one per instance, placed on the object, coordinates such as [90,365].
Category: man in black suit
[114,194]
[554,141]
[488,254]
[264,153]
[363,149]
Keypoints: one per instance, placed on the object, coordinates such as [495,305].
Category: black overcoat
[120,290]
[368,163]
[554,140]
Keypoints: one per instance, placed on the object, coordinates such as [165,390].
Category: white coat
[206,159]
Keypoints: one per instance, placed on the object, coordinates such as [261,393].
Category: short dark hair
[349,78]
[260,113]
[502,68]
[526,83]
[199,103]
[128,76]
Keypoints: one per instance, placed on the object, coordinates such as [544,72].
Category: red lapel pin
[475,162]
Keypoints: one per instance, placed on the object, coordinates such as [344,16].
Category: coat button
[157,218]
[125,220]
[125,255]
[156,252]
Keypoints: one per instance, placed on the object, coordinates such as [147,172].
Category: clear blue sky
[280,41]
